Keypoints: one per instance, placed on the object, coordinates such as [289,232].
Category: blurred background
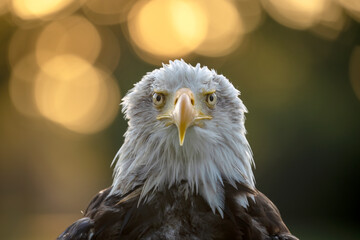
[65,64]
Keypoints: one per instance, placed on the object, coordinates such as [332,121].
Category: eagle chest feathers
[185,168]
[167,216]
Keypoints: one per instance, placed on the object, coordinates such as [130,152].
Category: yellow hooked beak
[184,112]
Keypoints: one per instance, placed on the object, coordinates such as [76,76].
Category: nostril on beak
[192,101]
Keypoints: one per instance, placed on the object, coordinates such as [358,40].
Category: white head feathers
[212,153]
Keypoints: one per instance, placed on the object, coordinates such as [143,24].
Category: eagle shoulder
[257,216]
[82,229]
[105,214]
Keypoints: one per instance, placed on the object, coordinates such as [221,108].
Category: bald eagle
[185,168]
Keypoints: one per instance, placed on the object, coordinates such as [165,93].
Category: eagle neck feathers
[158,163]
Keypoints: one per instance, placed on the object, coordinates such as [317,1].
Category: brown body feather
[171,216]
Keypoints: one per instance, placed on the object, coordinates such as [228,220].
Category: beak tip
[181,141]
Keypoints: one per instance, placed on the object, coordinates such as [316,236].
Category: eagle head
[185,124]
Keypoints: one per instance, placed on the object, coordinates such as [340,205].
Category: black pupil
[158,98]
[211,98]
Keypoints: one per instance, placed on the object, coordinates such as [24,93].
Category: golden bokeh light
[331,22]
[225,28]
[354,71]
[71,35]
[167,28]
[251,14]
[110,52]
[107,106]
[295,14]
[76,95]
[42,9]
[66,67]
[3,6]
[17,49]
[352,6]
[107,12]
[67,97]
[21,85]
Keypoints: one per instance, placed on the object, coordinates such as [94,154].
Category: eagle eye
[211,99]
[158,99]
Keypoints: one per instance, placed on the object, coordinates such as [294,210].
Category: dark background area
[302,91]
